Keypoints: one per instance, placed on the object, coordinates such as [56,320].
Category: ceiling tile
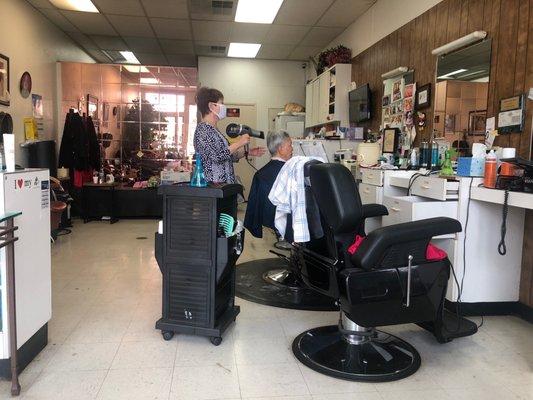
[166,8]
[143,44]
[285,34]
[321,36]
[177,46]
[131,26]
[248,33]
[172,28]
[304,52]
[182,60]
[301,12]
[122,7]
[89,23]
[277,52]
[343,12]
[211,30]
[109,42]
[82,40]
[151,58]
[41,3]
[59,20]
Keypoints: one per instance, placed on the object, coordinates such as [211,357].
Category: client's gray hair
[275,140]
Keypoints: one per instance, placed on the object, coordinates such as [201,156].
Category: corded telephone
[523,183]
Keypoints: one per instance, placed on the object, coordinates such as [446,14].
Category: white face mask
[222,111]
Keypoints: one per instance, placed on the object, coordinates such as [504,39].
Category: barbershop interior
[266,199]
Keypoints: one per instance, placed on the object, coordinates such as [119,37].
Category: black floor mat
[251,286]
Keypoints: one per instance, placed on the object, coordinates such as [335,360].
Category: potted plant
[336,55]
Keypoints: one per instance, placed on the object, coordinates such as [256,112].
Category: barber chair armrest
[374,210]
[409,238]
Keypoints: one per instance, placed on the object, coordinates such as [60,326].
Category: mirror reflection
[461,93]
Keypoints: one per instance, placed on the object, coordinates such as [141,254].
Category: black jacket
[260,211]
[79,145]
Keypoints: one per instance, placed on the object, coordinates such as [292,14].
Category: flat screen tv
[360,104]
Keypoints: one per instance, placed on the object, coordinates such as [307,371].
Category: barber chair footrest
[451,327]
[379,358]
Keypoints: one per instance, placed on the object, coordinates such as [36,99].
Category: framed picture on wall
[4,80]
[477,121]
[423,96]
[92,107]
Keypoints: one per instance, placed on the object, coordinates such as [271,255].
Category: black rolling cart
[197,261]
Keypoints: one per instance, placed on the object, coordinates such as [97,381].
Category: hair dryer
[234,130]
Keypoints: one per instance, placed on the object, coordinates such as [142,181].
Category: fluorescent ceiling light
[75,5]
[130,57]
[136,69]
[149,81]
[257,11]
[452,73]
[243,50]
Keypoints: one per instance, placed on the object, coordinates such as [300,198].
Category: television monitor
[360,105]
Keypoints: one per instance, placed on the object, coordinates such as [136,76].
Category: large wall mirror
[461,92]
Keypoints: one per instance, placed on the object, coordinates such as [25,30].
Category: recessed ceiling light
[259,12]
[136,68]
[130,57]
[243,50]
[149,81]
[75,5]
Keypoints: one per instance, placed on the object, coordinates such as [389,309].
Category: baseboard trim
[27,352]
[493,308]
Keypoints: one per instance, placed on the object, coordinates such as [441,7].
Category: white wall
[34,44]
[383,18]
[266,83]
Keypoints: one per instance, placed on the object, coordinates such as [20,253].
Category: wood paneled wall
[509,23]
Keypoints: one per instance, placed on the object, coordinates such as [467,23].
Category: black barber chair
[387,281]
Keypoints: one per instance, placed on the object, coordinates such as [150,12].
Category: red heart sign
[20,182]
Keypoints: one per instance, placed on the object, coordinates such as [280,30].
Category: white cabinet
[414,208]
[327,97]
[370,194]
[435,188]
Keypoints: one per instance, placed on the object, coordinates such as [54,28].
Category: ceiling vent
[211,50]
[222,10]
[222,7]
[114,56]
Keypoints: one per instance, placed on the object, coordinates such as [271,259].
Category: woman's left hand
[257,152]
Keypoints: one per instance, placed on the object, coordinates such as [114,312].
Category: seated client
[260,211]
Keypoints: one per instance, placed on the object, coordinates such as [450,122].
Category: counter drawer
[435,188]
[413,208]
[372,176]
[370,194]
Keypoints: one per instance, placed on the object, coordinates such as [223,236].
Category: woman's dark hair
[206,95]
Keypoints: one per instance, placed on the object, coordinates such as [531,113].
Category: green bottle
[447,169]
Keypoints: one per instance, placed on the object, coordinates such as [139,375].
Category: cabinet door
[324,97]
[308,105]
[316,100]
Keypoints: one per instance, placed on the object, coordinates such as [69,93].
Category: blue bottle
[198,176]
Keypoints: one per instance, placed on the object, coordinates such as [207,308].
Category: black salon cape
[79,145]
[260,211]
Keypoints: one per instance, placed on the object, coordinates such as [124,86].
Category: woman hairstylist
[216,153]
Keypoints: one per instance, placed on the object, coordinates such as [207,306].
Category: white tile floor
[103,345]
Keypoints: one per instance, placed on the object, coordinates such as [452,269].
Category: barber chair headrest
[336,194]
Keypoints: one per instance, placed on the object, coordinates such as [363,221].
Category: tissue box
[470,166]
[174,177]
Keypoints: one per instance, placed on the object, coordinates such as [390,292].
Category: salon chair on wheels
[387,281]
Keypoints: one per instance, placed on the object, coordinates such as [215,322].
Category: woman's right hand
[244,140]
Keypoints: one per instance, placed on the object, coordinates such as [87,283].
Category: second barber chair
[388,280]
